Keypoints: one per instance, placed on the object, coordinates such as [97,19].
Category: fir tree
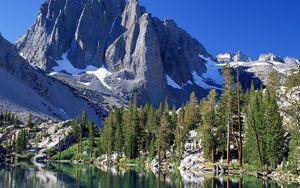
[180,132]
[119,136]
[208,125]
[254,120]
[227,96]
[29,121]
[84,119]
[274,133]
[107,136]
[91,136]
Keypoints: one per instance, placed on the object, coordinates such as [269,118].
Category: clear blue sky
[252,26]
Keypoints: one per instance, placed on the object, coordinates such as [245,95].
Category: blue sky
[252,26]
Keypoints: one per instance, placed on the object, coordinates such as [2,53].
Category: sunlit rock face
[139,50]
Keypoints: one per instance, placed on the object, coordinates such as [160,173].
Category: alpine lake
[62,175]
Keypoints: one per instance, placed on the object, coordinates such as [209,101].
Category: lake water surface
[24,175]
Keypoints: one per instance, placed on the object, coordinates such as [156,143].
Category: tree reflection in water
[25,175]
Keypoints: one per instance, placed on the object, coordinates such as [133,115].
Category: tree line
[246,125]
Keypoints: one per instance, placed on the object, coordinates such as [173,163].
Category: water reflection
[25,175]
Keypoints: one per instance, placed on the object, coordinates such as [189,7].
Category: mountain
[25,89]
[117,49]
[258,70]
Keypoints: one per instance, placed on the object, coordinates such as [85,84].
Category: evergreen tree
[227,96]
[151,125]
[274,133]
[293,79]
[273,81]
[180,132]
[294,151]
[29,121]
[254,121]
[84,119]
[91,136]
[164,134]
[119,136]
[107,136]
[21,141]
[208,125]
[191,114]
[131,127]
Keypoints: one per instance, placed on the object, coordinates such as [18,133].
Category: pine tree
[21,141]
[91,136]
[273,81]
[84,119]
[208,125]
[131,127]
[29,121]
[227,96]
[119,135]
[180,132]
[151,125]
[239,121]
[107,136]
[164,134]
[294,150]
[254,120]
[293,79]
[191,114]
[274,133]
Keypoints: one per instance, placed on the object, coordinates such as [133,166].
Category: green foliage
[294,151]
[264,123]
[29,122]
[208,125]
[21,141]
[72,154]
[8,118]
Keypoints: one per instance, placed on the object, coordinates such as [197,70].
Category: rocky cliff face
[26,89]
[79,27]
[142,54]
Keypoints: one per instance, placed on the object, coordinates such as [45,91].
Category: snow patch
[172,83]
[22,55]
[85,83]
[62,110]
[200,81]
[52,73]
[213,71]
[277,63]
[260,64]
[101,74]
[66,65]
[189,82]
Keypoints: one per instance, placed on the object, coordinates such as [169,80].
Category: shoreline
[277,176]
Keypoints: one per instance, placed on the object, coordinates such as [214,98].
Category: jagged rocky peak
[225,57]
[79,27]
[132,12]
[233,57]
[270,57]
[239,56]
